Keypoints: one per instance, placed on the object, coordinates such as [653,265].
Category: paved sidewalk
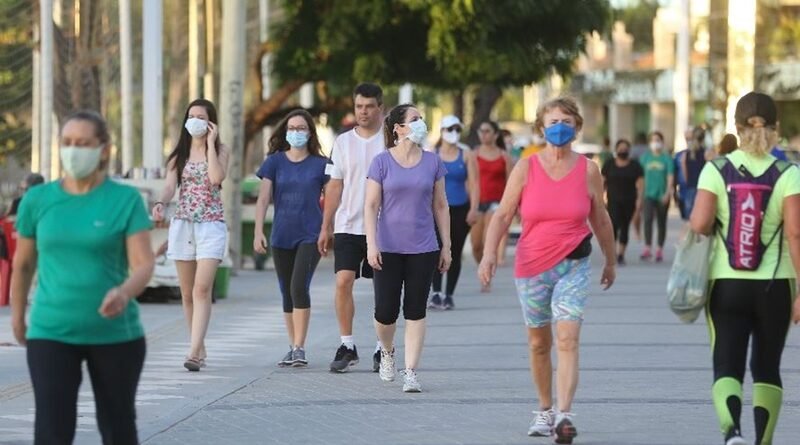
[645,377]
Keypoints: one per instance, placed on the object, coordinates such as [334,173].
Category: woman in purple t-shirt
[405,194]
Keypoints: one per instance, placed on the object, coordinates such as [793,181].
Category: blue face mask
[559,134]
[297,139]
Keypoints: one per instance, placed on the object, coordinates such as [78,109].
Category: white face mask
[656,146]
[79,162]
[197,128]
[451,137]
[419,131]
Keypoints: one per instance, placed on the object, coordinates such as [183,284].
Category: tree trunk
[258,116]
[86,74]
[484,102]
[177,67]
[458,105]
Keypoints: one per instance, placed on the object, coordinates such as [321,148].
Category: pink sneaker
[659,256]
[646,255]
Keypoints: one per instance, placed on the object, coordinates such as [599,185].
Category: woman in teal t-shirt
[89,238]
[659,172]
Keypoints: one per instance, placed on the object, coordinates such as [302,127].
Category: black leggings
[406,278]
[621,214]
[655,209]
[295,268]
[114,370]
[737,311]
[459,229]
[741,308]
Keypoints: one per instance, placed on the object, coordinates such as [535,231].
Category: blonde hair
[566,104]
[756,138]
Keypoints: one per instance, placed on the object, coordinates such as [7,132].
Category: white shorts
[190,241]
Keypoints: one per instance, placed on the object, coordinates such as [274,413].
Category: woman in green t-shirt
[753,268]
[89,238]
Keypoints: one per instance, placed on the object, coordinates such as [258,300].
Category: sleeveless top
[492,179]
[455,181]
[554,217]
[198,200]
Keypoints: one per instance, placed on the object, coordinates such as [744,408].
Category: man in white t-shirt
[351,154]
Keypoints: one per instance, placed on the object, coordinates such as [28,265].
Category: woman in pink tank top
[559,194]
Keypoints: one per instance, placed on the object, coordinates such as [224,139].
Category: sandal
[194,364]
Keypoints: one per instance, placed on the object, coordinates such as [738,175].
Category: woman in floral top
[197,232]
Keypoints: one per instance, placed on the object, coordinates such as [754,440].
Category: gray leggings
[295,268]
[654,208]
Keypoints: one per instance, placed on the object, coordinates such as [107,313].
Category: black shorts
[350,253]
[490,206]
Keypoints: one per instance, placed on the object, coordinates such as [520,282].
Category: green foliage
[437,43]
[16,78]
[638,19]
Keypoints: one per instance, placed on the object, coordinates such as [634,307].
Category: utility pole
[232,118]
[152,88]
[126,80]
[46,88]
[266,84]
[406,94]
[208,76]
[36,115]
[194,50]
[680,84]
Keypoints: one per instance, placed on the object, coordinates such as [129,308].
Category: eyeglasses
[455,128]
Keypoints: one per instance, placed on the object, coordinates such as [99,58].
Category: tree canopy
[448,44]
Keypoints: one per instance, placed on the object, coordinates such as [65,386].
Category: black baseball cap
[756,104]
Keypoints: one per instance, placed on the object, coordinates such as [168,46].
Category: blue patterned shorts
[557,294]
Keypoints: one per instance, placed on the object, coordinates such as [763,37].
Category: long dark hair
[278,140]
[397,115]
[182,149]
[499,140]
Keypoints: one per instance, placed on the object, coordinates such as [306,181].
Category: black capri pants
[459,229]
[56,375]
[621,214]
[295,268]
[404,278]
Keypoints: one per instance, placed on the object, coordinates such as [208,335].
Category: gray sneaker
[542,424]
[299,358]
[410,382]
[287,359]
[387,371]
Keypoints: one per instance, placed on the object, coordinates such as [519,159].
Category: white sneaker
[542,423]
[387,371]
[410,382]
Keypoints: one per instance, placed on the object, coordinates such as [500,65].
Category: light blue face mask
[80,162]
[297,139]
[419,131]
[559,134]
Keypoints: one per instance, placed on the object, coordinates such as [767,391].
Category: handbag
[688,284]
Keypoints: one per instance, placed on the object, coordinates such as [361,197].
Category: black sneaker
[376,361]
[435,301]
[621,260]
[344,359]
[565,430]
[286,360]
[448,304]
